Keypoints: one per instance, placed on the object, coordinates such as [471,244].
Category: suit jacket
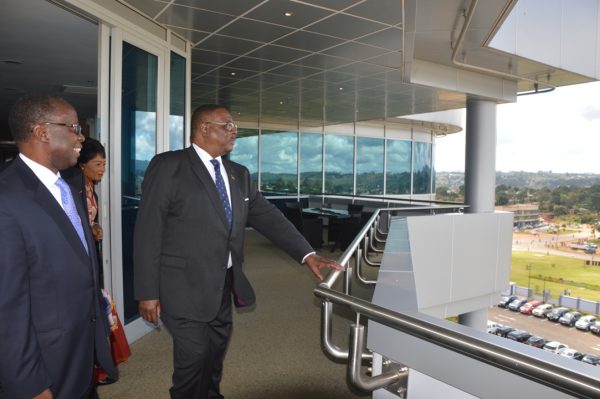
[182,239]
[51,317]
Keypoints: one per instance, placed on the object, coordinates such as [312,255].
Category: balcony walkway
[275,348]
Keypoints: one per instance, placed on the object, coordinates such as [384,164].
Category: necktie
[69,207]
[222,190]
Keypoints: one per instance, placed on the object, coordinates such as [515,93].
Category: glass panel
[138,146]
[398,167]
[177,106]
[311,163]
[279,162]
[369,166]
[245,151]
[339,159]
[422,168]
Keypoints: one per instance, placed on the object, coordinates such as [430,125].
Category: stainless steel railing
[556,376]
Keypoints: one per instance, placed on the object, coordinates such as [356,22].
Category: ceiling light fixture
[288,13]
[232,73]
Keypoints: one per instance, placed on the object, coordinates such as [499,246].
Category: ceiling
[328,61]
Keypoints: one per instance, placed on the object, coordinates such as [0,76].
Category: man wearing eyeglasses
[52,325]
[188,248]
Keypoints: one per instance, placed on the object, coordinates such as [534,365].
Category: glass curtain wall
[311,163]
[279,162]
[245,151]
[339,164]
[422,168]
[398,167]
[369,166]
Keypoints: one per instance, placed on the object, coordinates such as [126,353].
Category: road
[552,244]
[585,342]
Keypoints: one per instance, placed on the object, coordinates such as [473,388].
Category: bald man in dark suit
[188,248]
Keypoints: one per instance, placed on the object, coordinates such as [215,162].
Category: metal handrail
[557,377]
[560,378]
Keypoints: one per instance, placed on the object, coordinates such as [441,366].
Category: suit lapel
[49,204]
[211,190]
[236,196]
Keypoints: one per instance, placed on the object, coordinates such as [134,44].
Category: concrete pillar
[480,156]
[480,176]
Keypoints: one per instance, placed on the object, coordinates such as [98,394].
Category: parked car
[569,318]
[542,310]
[571,353]
[556,313]
[516,304]
[585,322]
[518,335]
[503,331]
[591,359]
[595,328]
[536,341]
[554,346]
[529,306]
[492,326]
[505,300]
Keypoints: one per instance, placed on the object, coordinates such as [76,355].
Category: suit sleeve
[270,222]
[22,371]
[150,223]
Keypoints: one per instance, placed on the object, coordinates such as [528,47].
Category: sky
[557,131]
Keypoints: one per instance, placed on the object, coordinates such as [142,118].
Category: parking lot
[585,342]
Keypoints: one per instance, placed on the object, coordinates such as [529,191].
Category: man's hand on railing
[316,262]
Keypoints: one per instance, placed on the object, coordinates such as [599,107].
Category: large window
[339,159]
[245,151]
[279,162]
[398,167]
[311,163]
[422,168]
[369,166]
[177,105]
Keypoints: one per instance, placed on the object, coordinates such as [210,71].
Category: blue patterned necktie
[220,183]
[69,208]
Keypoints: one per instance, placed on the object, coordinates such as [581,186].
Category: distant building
[525,215]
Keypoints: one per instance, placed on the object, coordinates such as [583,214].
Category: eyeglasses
[75,126]
[229,126]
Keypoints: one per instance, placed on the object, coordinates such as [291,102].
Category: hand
[97,232]
[46,394]
[150,310]
[316,262]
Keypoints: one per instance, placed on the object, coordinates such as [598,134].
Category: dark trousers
[198,351]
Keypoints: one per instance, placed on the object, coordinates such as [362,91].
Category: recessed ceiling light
[280,102]
[232,73]
[288,13]
[341,88]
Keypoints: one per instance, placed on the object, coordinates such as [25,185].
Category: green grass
[560,273]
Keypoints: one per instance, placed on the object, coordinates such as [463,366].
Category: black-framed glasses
[229,126]
[75,126]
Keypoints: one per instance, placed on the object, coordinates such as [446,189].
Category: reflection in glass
[398,167]
[339,159]
[311,163]
[245,151]
[138,146]
[422,168]
[279,162]
[369,165]
[177,106]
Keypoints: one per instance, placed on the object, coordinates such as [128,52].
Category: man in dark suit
[188,248]
[52,318]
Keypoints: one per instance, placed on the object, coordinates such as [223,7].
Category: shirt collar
[47,177]
[205,156]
